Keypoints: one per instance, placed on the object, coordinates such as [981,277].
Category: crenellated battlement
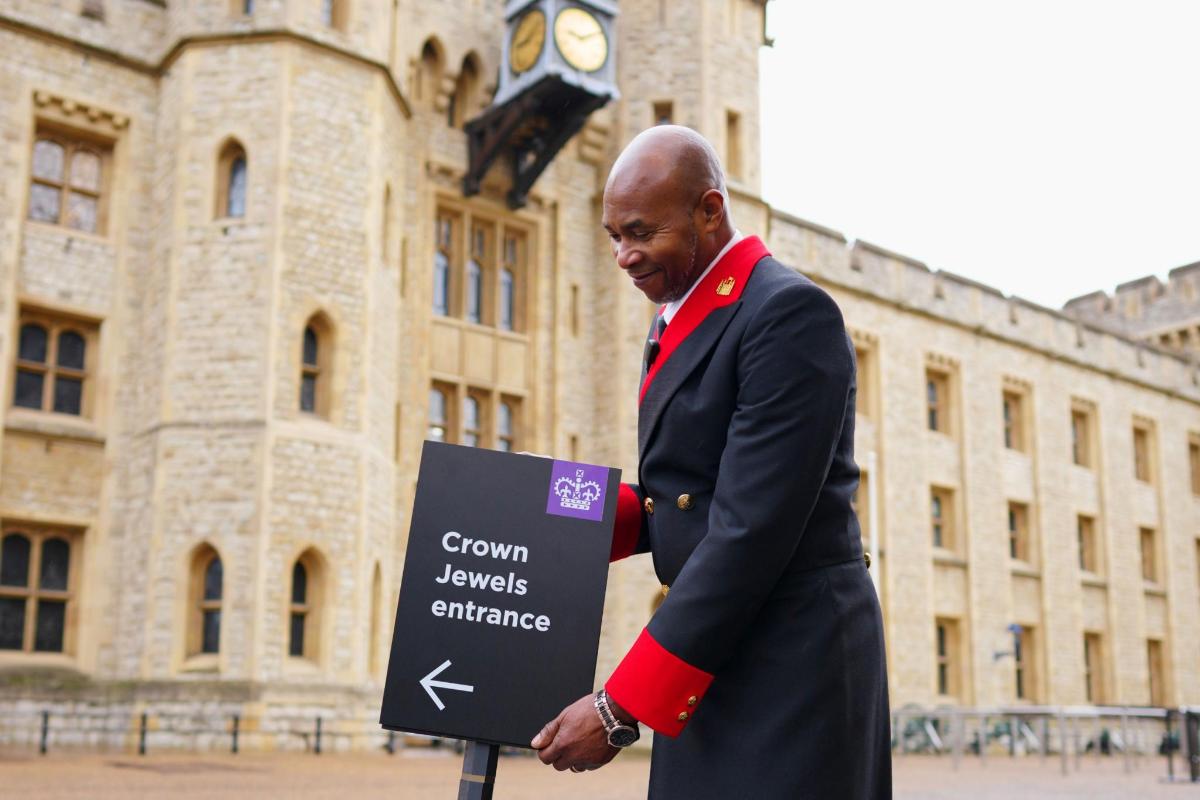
[907,283]
[1148,308]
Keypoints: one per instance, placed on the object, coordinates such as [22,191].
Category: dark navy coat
[763,672]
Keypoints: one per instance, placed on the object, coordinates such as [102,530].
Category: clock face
[580,39]
[527,40]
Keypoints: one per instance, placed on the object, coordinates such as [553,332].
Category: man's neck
[671,309]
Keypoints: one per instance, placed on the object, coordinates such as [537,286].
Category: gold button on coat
[684,502]
[666,590]
[649,505]
[692,700]
[683,715]
[867,559]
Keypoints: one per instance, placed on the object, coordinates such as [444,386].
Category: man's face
[654,238]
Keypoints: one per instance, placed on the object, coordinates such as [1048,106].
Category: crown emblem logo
[726,286]
[576,492]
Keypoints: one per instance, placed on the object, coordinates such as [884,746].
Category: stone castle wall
[195,437]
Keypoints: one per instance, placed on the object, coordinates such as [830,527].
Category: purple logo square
[577,490]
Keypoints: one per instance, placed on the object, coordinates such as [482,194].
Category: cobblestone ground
[422,775]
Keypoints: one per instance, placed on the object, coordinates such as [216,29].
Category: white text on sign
[469,611]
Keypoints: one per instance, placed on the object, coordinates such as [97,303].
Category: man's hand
[575,738]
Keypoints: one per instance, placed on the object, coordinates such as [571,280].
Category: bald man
[762,673]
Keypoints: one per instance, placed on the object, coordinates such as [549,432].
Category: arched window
[14,560]
[207,588]
[33,608]
[472,426]
[314,366]
[299,610]
[477,267]
[67,182]
[235,200]
[939,521]
[333,13]
[441,284]
[304,607]
[232,180]
[310,370]
[51,367]
[507,297]
[474,292]
[49,177]
[441,266]
[438,421]
[210,607]
[512,268]
[32,353]
[69,375]
[504,426]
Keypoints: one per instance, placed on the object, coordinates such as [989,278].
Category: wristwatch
[619,734]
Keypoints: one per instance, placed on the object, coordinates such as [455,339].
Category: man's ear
[712,206]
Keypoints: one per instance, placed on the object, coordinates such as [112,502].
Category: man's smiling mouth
[641,278]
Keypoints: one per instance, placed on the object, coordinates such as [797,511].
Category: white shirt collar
[671,309]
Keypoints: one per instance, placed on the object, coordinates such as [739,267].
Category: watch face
[528,37]
[580,39]
[622,736]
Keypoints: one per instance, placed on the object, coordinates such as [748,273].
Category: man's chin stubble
[677,292]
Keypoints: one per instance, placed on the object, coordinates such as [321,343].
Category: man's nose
[627,256]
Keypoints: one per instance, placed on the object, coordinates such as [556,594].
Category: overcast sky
[1046,148]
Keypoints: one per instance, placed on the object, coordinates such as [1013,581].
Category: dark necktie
[652,344]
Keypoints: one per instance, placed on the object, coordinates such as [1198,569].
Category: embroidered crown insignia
[725,287]
[576,492]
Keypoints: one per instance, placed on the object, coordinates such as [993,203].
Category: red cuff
[656,686]
[628,527]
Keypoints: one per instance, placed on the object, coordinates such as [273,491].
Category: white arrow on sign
[428,683]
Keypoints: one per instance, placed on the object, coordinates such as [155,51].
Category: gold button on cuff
[867,559]
[665,589]
[684,502]
[683,715]
[692,700]
[649,505]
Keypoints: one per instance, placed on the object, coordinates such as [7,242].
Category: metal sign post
[478,778]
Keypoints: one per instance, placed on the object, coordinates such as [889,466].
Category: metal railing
[1072,733]
[1069,732]
[144,729]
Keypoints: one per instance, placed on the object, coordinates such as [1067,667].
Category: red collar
[722,286]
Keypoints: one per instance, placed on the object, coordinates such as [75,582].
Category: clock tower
[558,66]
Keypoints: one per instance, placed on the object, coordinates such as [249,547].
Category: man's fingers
[545,736]
[547,754]
[549,749]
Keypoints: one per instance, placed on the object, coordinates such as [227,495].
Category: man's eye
[642,236]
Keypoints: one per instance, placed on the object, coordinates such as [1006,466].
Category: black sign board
[498,621]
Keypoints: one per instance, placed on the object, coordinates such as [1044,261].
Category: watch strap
[609,719]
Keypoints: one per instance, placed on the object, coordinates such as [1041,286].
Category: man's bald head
[666,210]
[668,158]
